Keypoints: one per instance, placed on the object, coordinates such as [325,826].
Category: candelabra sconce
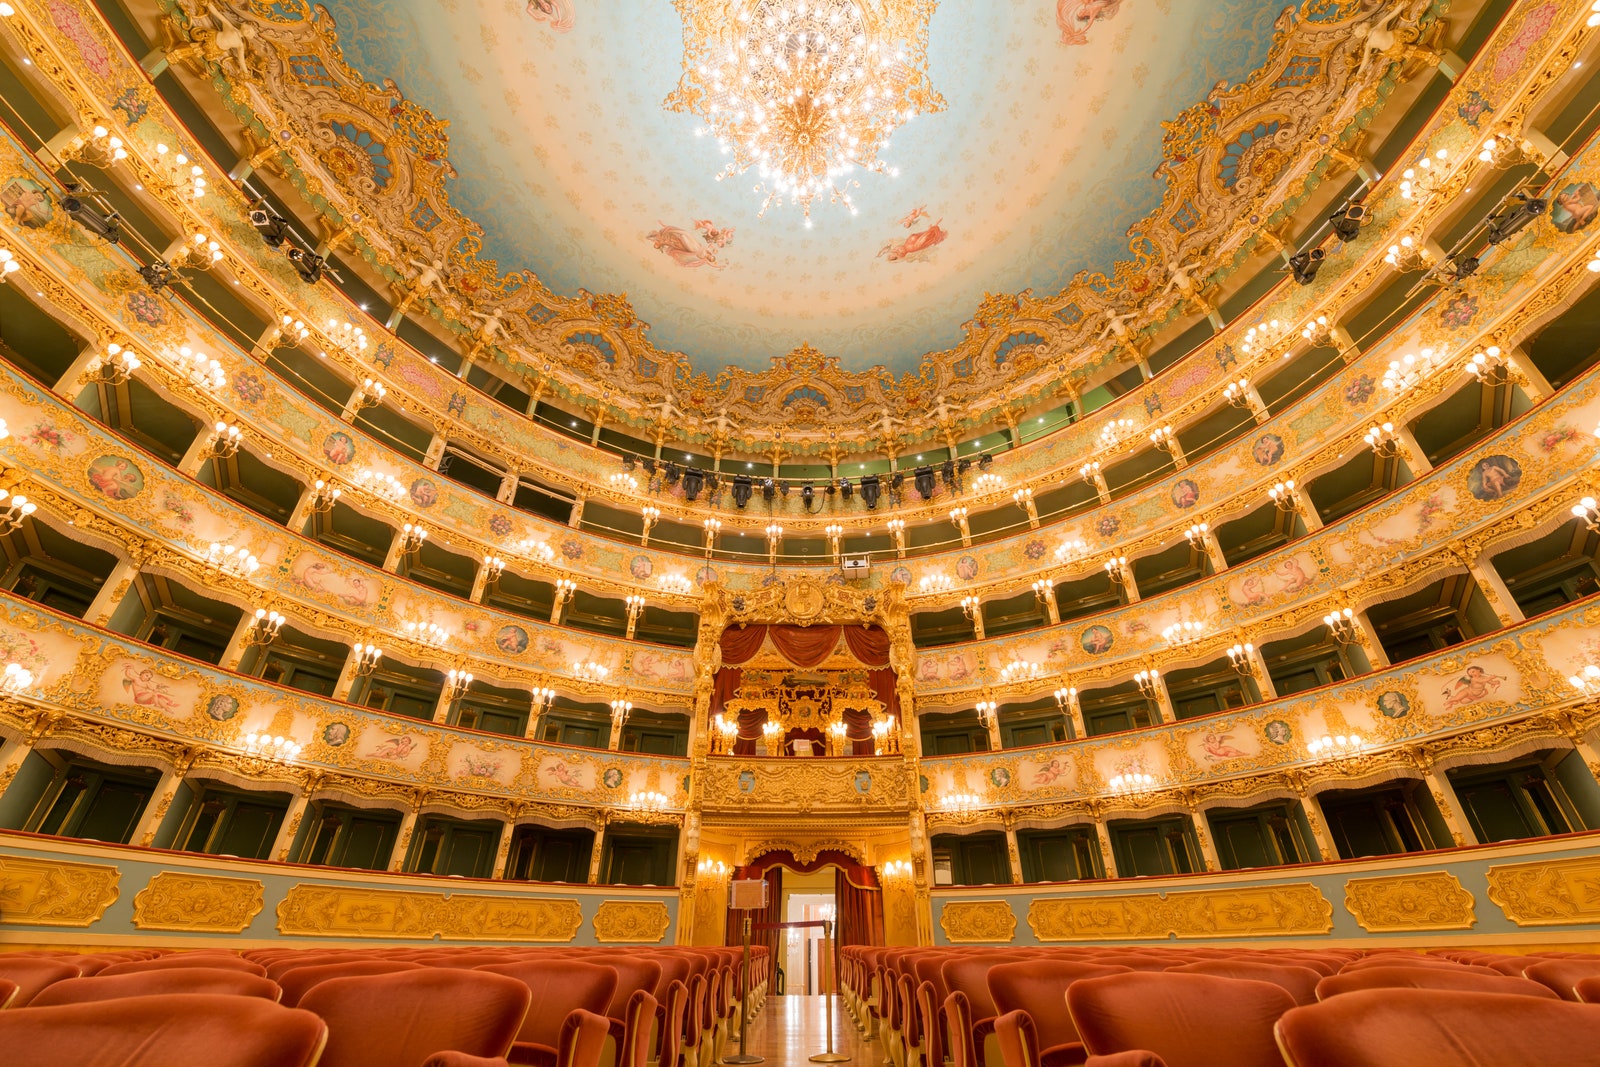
[1067,699]
[290,332]
[115,366]
[1342,625]
[1070,551]
[1489,366]
[1384,440]
[542,698]
[1587,509]
[959,802]
[1117,569]
[649,515]
[1424,178]
[1019,670]
[1149,683]
[1409,370]
[412,536]
[958,515]
[184,176]
[895,870]
[1237,393]
[838,738]
[674,583]
[100,149]
[8,264]
[622,481]
[348,337]
[725,735]
[428,633]
[1090,472]
[1114,432]
[772,737]
[1163,438]
[1586,681]
[1507,149]
[17,508]
[1242,658]
[493,568]
[1285,495]
[881,738]
[366,658]
[1326,747]
[647,800]
[456,684]
[970,607]
[201,253]
[1183,633]
[833,532]
[988,482]
[1318,332]
[202,372]
[272,746]
[1261,337]
[1044,591]
[774,539]
[264,630]
[1024,500]
[987,711]
[635,604]
[1408,255]
[224,441]
[933,583]
[15,679]
[897,534]
[231,560]
[712,528]
[563,590]
[711,869]
[371,394]
[619,712]
[1197,535]
[590,671]
[1131,782]
[323,497]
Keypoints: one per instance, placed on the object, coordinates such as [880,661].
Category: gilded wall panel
[1564,892]
[35,892]
[635,921]
[348,911]
[972,921]
[197,902]
[1426,900]
[1297,908]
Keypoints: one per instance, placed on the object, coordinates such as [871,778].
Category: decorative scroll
[970,921]
[633,921]
[198,902]
[1563,892]
[37,892]
[347,911]
[1430,900]
[1255,911]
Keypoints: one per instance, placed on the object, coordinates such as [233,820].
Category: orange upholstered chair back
[32,974]
[1189,1020]
[1039,987]
[958,1023]
[1463,980]
[1588,990]
[157,984]
[298,982]
[670,1045]
[1018,1039]
[1562,976]
[9,991]
[638,1020]
[1440,1028]
[168,1031]
[398,1020]
[558,987]
[582,1039]
[1300,982]
[970,975]
[213,961]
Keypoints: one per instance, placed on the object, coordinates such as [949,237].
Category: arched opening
[828,884]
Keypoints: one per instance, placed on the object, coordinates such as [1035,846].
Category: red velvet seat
[32,974]
[167,1031]
[399,1020]
[638,1020]
[1461,980]
[1189,1020]
[157,984]
[582,1039]
[558,987]
[8,992]
[1562,975]
[1019,1044]
[1299,982]
[299,981]
[1438,1028]
[1588,990]
[1039,987]
[215,961]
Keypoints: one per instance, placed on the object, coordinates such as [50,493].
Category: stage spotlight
[274,230]
[1513,216]
[157,275]
[783,487]
[670,473]
[947,474]
[924,482]
[1347,221]
[629,461]
[984,461]
[870,490]
[768,489]
[1304,265]
[845,489]
[694,479]
[104,224]
[648,463]
[741,490]
[808,493]
[307,264]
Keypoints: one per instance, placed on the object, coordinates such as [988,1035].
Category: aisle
[791,1030]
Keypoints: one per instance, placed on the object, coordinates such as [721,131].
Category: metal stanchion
[830,1056]
[744,994]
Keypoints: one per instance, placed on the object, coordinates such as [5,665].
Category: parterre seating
[400,1019]
[213,980]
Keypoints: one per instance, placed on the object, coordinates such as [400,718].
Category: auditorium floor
[793,1029]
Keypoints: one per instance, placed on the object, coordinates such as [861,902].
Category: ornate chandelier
[805,91]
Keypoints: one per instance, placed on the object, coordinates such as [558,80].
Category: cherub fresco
[350,590]
[479,766]
[693,247]
[395,748]
[146,690]
[1052,772]
[564,775]
[1074,17]
[558,13]
[1216,747]
[1287,578]
[1473,685]
[918,212]
[917,246]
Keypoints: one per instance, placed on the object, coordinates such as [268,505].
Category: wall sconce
[772,734]
[456,684]
[970,606]
[366,658]
[647,800]
[711,869]
[323,497]
[712,527]
[542,697]
[1023,496]
[15,678]
[1117,569]
[622,481]
[1183,633]
[1066,698]
[896,869]
[371,394]
[1243,659]
[1586,509]
[987,710]
[1019,670]
[493,568]
[202,372]
[428,633]
[961,802]
[1073,549]
[1342,625]
[833,532]
[988,482]
[635,606]
[675,583]
[412,535]
[619,711]
[116,365]
[291,332]
[353,341]
[231,560]
[17,507]
[1318,331]
[1196,535]
[564,588]
[1238,394]
[1163,438]
[774,537]
[1285,495]
[1421,180]
[8,264]
[933,583]
[590,671]
[201,253]
[1326,747]
[1090,471]
[380,484]
[224,441]
[1131,782]
[1149,683]
[1409,370]
[1044,590]
[1383,439]
[649,515]
[264,630]
[1113,432]
[1407,255]
[1489,366]
[180,173]
[838,735]
[100,149]
[880,738]
[1262,336]
[273,747]
[728,731]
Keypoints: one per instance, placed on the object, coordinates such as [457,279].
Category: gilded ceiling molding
[39,892]
[197,903]
[1274,910]
[1425,900]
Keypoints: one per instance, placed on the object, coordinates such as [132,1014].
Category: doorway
[807,955]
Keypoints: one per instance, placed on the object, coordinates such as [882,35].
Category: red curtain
[740,643]
[869,644]
[804,646]
[860,908]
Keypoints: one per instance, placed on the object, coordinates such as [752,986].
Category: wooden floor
[792,1029]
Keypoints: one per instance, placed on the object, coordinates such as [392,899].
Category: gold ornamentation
[1431,900]
[968,921]
[1253,911]
[35,892]
[199,902]
[635,921]
[348,911]
[1563,892]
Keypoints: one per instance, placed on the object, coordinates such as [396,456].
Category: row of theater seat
[412,1007]
[1150,1007]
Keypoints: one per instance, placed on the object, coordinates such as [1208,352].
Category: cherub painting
[1074,17]
[918,212]
[558,13]
[917,246]
[395,748]
[1052,772]
[1473,685]
[696,246]
[1216,747]
[146,690]
[563,775]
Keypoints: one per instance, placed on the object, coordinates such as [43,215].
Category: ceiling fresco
[566,155]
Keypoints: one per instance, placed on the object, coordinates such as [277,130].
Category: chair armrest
[462,1059]
[1137,1057]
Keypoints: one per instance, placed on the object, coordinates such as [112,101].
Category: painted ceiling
[1045,156]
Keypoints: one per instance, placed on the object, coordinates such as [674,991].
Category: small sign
[747,894]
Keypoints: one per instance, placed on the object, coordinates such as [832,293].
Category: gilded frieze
[814,786]
[1426,900]
[197,903]
[1562,892]
[309,910]
[36,892]
[1246,911]
[631,921]
[966,922]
